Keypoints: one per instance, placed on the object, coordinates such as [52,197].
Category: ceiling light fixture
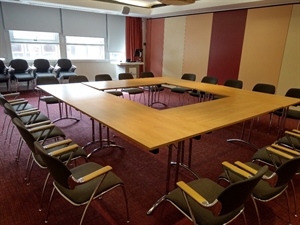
[177,2]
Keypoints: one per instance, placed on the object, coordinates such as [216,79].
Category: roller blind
[30,18]
[77,23]
[116,33]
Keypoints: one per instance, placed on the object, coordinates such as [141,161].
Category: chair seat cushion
[4,78]
[262,155]
[116,93]
[44,74]
[133,90]
[23,77]
[180,89]
[210,191]
[292,114]
[81,193]
[49,99]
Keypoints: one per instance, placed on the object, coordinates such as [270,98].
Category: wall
[254,45]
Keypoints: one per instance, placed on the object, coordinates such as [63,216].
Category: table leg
[67,116]
[242,136]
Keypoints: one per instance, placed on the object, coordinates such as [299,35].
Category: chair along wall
[254,45]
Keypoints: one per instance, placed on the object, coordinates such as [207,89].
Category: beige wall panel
[173,46]
[290,70]
[196,45]
[264,43]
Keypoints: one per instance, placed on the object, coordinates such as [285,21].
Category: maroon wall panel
[226,44]
[154,46]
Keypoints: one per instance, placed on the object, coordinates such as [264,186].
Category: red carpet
[144,175]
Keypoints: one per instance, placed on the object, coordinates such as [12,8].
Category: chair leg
[256,209]
[43,191]
[288,205]
[49,204]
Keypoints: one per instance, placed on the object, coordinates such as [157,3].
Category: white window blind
[116,33]
[84,24]
[32,18]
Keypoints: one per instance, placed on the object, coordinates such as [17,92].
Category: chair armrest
[245,167]
[58,143]
[293,134]
[28,113]
[51,68]
[73,68]
[236,170]
[29,126]
[73,182]
[41,128]
[11,70]
[296,131]
[214,207]
[56,69]
[285,149]
[18,102]
[64,150]
[279,153]
[15,95]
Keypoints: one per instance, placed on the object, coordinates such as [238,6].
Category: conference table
[147,126]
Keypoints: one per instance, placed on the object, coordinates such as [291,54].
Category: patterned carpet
[143,173]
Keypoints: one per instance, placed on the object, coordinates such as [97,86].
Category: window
[32,45]
[85,48]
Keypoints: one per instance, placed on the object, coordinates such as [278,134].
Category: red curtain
[134,36]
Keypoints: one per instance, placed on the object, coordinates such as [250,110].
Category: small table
[126,67]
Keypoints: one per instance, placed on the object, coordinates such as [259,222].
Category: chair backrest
[102,77]
[209,80]
[64,64]
[78,79]
[46,80]
[234,83]
[287,170]
[189,76]
[3,69]
[10,111]
[264,88]
[293,92]
[20,65]
[125,76]
[238,193]
[147,74]
[58,170]
[41,65]
[25,134]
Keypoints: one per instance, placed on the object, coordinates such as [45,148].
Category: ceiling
[152,8]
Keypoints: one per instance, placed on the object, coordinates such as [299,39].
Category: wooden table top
[153,128]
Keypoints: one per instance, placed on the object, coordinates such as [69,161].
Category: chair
[48,99]
[81,184]
[264,88]
[200,94]
[4,76]
[274,183]
[206,202]
[78,79]
[231,83]
[131,91]
[30,119]
[291,113]
[42,68]
[107,77]
[182,90]
[19,71]
[154,90]
[64,69]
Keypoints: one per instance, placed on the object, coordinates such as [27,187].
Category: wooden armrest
[235,169]
[41,128]
[58,143]
[95,174]
[285,149]
[19,102]
[296,131]
[191,192]
[64,150]
[28,113]
[38,124]
[72,181]
[11,95]
[246,167]
[27,110]
[279,153]
[294,134]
